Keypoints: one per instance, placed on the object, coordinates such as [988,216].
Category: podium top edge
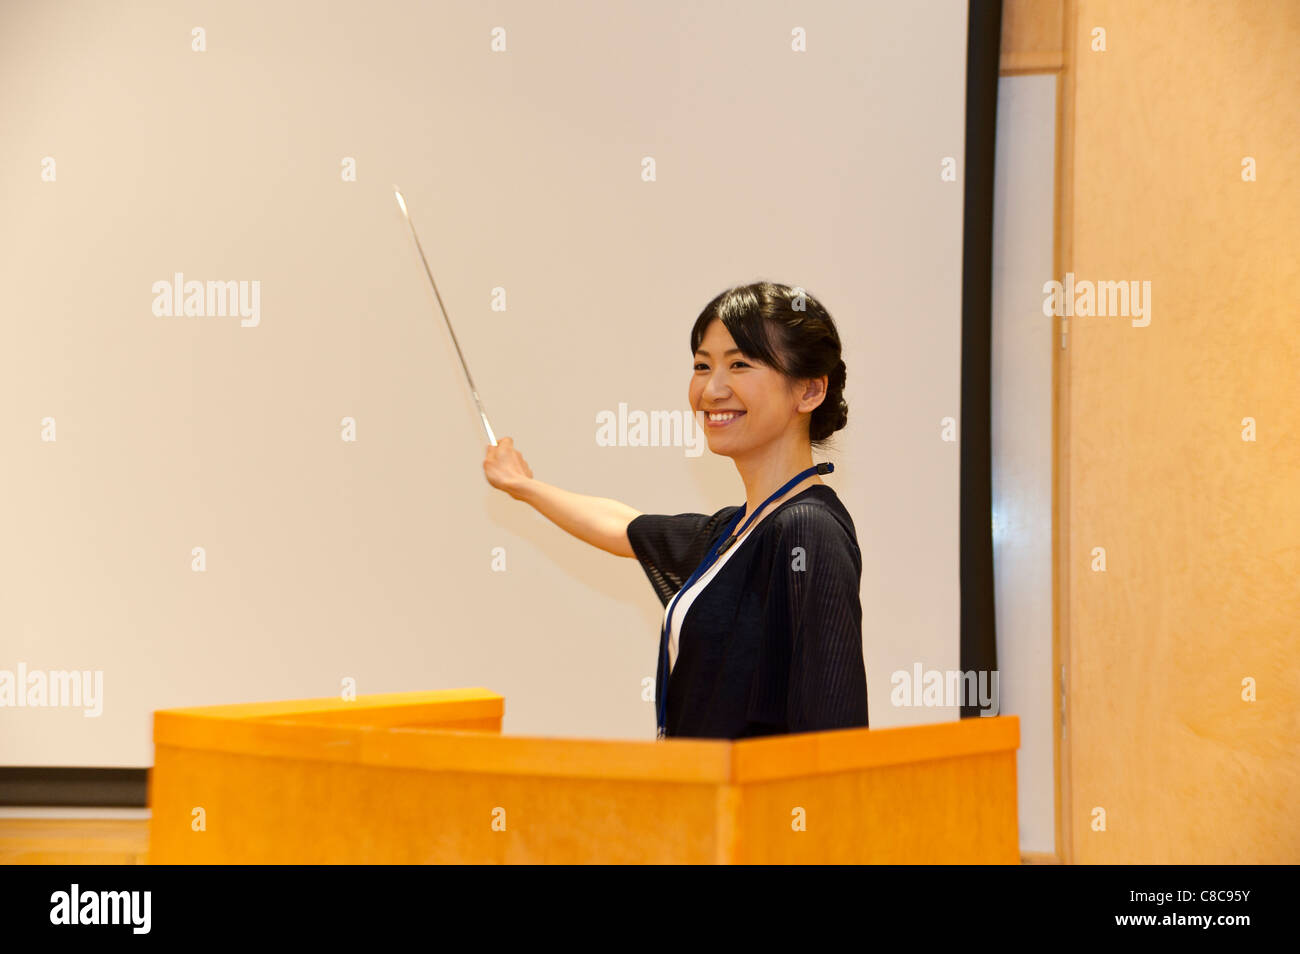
[382,700]
[403,732]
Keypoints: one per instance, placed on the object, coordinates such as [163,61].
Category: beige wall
[1200,528]
[372,560]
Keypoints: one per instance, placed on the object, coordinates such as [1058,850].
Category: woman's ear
[814,393]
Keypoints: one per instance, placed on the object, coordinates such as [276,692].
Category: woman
[762,634]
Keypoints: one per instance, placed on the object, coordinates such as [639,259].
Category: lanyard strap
[720,547]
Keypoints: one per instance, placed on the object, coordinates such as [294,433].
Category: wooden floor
[122,841]
[74,841]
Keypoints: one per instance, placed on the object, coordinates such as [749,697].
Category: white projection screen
[585,177]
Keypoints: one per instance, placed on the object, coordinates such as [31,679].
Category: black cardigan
[773,644]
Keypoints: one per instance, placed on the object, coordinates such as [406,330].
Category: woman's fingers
[504,466]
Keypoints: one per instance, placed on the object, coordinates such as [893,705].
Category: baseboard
[71,786]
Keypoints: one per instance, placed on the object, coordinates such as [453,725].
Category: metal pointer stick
[474,391]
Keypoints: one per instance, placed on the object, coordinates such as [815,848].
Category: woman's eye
[705,367]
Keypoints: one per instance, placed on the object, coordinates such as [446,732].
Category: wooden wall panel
[1031,36]
[1201,529]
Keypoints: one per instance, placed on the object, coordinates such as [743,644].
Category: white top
[685,597]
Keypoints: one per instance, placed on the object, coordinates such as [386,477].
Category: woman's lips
[709,422]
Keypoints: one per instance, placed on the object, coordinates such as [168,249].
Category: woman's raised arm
[600,521]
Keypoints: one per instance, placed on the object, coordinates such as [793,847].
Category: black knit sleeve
[670,547]
[814,594]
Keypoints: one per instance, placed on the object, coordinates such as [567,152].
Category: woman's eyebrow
[724,354]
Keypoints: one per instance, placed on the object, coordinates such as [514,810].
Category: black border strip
[73,787]
[979,651]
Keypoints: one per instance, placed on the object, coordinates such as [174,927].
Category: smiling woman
[770,631]
[762,629]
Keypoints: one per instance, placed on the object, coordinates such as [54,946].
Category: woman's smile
[722,419]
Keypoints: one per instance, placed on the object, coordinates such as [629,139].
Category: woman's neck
[765,473]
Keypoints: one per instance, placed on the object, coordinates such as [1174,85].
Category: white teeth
[723,417]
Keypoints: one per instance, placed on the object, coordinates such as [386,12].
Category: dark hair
[789,330]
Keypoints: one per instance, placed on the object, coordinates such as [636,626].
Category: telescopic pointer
[474,391]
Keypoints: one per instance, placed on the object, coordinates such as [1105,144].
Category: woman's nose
[715,385]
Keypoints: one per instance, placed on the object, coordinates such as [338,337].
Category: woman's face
[766,405]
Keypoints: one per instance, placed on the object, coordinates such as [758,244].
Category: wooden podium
[427,777]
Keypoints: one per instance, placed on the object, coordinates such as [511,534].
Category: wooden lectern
[427,777]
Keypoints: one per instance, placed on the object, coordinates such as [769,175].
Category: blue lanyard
[724,543]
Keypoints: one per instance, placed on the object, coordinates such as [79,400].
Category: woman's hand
[600,521]
[505,468]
